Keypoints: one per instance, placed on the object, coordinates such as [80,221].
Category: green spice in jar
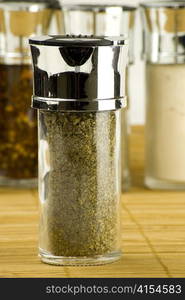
[79,188]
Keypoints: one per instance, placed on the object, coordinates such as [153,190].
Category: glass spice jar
[164,53]
[18,124]
[79,93]
[108,20]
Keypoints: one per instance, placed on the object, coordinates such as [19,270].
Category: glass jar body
[165,126]
[79,187]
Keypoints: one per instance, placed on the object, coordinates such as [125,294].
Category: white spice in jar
[165,122]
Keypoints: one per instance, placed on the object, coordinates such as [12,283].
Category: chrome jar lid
[163,31]
[18,21]
[79,73]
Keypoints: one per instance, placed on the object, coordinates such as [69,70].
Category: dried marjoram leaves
[18,125]
[79,187]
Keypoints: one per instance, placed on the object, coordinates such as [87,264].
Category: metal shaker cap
[163,31]
[79,72]
[18,21]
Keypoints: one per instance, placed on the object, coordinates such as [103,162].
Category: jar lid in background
[50,3]
[18,21]
[163,31]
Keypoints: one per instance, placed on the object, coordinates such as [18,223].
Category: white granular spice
[165,123]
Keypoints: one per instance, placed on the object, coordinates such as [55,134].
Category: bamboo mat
[153,232]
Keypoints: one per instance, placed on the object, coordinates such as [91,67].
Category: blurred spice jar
[108,20]
[18,125]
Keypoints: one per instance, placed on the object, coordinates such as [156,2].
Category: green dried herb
[80,209]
